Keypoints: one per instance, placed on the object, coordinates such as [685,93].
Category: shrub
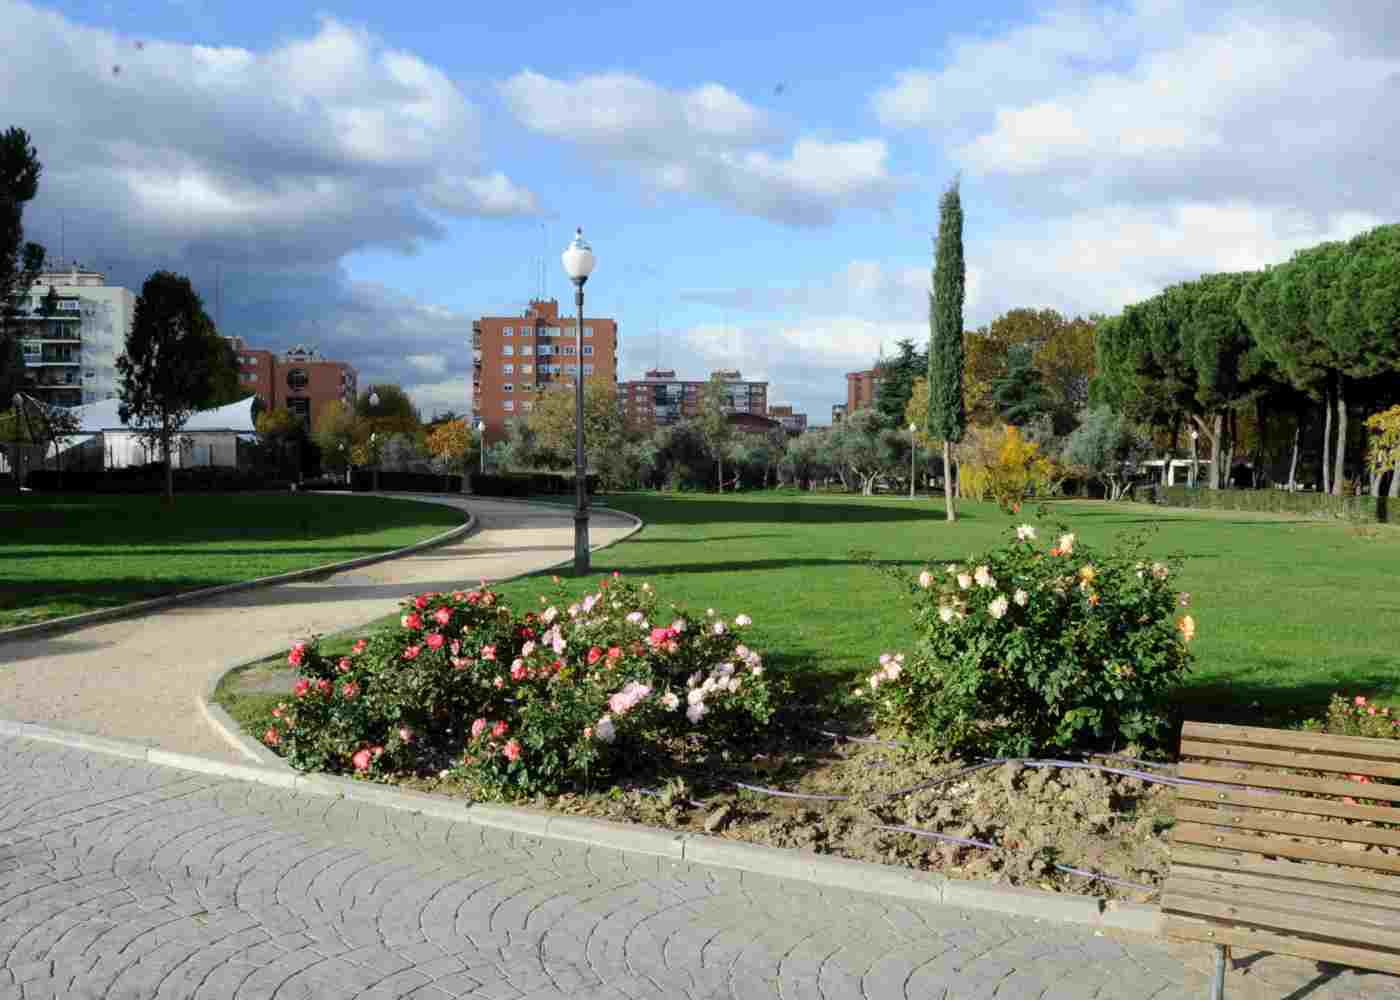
[1023,651]
[526,702]
[1319,505]
[1355,716]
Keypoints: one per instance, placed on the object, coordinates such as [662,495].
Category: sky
[759,182]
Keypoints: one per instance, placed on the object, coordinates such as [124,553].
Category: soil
[1112,825]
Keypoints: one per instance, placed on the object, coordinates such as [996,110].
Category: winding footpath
[141,679]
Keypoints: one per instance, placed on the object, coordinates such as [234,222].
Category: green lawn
[1289,611]
[60,555]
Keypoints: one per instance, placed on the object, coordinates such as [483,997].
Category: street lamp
[481,443]
[373,398]
[374,457]
[347,464]
[1192,478]
[578,265]
[913,454]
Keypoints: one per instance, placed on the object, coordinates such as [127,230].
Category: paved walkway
[141,679]
[126,880]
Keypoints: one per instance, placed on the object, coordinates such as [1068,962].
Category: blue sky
[759,181]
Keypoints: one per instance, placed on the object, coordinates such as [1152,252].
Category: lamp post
[347,464]
[374,457]
[578,265]
[913,455]
[481,443]
[1192,478]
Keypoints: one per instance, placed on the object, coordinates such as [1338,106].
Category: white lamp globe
[578,259]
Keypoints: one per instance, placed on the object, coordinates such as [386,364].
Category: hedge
[1318,505]
[407,482]
[528,484]
[150,479]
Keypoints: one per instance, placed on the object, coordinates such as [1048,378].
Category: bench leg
[1217,986]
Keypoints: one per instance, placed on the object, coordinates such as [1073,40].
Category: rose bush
[522,702]
[1025,651]
[1354,715]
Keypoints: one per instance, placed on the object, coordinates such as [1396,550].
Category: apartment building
[71,338]
[793,423]
[513,357]
[861,390]
[660,398]
[300,379]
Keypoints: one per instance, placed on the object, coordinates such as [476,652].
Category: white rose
[1022,598]
[964,581]
[998,607]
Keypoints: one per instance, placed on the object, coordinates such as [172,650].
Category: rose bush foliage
[1024,651]
[522,702]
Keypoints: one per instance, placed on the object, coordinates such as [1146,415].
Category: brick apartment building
[299,379]
[793,423]
[514,356]
[861,390]
[659,398]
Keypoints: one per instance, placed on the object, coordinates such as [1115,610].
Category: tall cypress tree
[947,414]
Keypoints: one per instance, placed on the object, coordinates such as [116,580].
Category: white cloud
[429,364]
[707,142]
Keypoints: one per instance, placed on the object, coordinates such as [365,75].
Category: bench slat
[1213,836]
[1288,803]
[1280,944]
[1304,890]
[1289,739]
[1247,819]
[1290,758]
[1255,777]
[1283,920]
[1373,924]
[1372,888]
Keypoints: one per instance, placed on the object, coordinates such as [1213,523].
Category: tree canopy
[20,261]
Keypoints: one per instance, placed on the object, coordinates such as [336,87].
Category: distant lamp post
[578,265]
[374,458]
[913,455]
[346,461]
[373,398]
[1191,479]
[481,443]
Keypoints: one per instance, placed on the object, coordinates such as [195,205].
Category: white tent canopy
[94,418]
[209,437]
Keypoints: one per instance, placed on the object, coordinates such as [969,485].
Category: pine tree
[947,414]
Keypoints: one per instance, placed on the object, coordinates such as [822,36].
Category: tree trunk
[169,471]
[1227,479]
[1293,462]
[720,459]
[1377,474]
[1395,480]
[1257,459]
[1339,473]
[1218,429]
[948,480]
[1327,439]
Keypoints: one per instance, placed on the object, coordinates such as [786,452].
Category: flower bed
[522,703]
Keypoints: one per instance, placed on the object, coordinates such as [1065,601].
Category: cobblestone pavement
[142,678]
[121,880]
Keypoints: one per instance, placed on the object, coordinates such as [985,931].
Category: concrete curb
[69,623]
[698,849]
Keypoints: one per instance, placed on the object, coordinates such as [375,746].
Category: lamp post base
[581,554]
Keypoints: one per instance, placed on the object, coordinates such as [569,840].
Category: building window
[508,387]
[300,407]
[587,330]
[507,350]
[588,369]
[526,369]
[508,405]
[297,379]
[507,369]
[587,348]
[507,332]
[572,369]
[567,351]
[544,350]
[527,406]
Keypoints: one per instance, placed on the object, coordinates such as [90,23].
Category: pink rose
[406,734]
[413,620]
[442,615]
[456,647]
[499,683]
[434,640]
[301,687]
[272,737]
[594,655]
[588,732]
[296,656]
[488,652]
[614,653]
[500,729]
[359,647]
[421,601]
[518,671]
[324,686]
[512,750]
[344,665]
[1360,699]
[411,653]
[277,712]
[478,727]
[460,662]
[350,690]
[361,760]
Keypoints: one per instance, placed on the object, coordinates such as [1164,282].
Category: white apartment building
[70,355]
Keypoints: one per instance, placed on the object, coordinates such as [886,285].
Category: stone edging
[233,733]
[701,849]
[83,619]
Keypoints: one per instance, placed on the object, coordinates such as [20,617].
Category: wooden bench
[1262,857]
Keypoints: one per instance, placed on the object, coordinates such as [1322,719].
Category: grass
[60,555]
[1289,610]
